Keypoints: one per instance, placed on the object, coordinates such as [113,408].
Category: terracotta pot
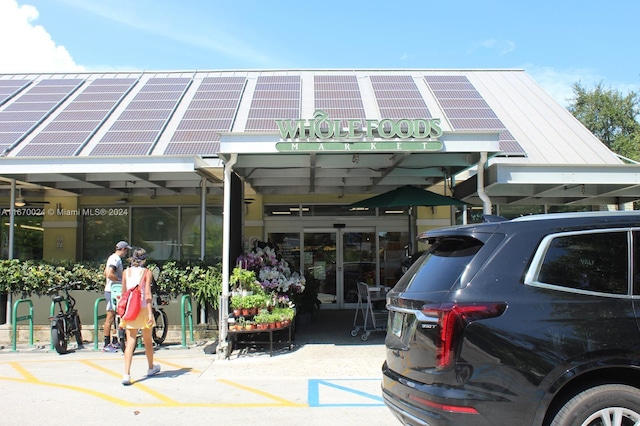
[245,311]
[237,312]
[278,324]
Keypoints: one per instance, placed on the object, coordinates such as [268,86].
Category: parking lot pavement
[314,383]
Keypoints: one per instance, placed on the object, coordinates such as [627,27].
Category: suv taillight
[452,319]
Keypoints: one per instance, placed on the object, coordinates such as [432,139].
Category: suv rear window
[441,265]
[596,262]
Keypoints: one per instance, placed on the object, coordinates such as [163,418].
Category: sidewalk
[328,377]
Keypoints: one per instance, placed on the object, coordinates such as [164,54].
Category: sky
[558,43]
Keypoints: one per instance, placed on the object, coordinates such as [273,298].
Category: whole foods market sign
[324,134]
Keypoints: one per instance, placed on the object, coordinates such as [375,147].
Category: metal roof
[95,133]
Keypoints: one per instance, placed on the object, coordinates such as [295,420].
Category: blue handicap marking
[344,393]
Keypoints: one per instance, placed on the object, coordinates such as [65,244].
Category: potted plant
[236,305]
[262,320]
[243,281]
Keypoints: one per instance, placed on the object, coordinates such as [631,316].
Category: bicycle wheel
[159,332]
[58,338]
[122,334]
[76,326]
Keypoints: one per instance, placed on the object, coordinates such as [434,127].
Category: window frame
[533,272]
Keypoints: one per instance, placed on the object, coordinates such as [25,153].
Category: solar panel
[135,132]
[193,148]
[210,112]
[121,149]
[193,135]
[31,106]
[272,91]
[466,109]
[339,96]
[80,118]
[398,97]
[48,150]
[58,138]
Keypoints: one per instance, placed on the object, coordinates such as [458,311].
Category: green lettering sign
[322,128]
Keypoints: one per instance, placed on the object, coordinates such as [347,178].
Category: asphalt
[327,376]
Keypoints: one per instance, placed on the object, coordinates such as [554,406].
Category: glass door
[335,260]
[320,264]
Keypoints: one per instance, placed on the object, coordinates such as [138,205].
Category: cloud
[503,47]
[167,19]
[27,47]
[558,82]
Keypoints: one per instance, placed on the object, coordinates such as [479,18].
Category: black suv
[530,321]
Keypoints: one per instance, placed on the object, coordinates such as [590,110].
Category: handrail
[15,319]
[96,318]
[184,314]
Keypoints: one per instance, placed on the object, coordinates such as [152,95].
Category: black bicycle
[66,323]
[160,298]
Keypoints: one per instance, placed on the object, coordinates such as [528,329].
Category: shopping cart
[372,319]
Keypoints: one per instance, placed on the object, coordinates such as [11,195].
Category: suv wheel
[616,405]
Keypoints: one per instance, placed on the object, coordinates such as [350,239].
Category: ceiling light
[20,202]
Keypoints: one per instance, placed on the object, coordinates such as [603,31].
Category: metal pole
[226,231]
[12,207]
[203,235]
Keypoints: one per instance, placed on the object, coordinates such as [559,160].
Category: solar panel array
[398,97]
[139,126]
[274,98]
[73,127]
[466,109]
[20,117]
[211,111]
[339,96]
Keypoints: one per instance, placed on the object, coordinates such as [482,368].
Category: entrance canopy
[336,167]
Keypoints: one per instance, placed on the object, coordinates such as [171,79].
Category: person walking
[138,274]
[113,274]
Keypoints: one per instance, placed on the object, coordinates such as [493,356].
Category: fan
[22,202]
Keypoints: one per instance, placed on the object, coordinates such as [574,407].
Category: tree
[610,116]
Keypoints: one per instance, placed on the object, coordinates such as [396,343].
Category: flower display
[272,272]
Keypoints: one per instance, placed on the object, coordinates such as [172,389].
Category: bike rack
[186,298]
[53,312]
[15,319]
[96,318]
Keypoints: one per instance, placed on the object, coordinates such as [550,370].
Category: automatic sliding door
[320,264]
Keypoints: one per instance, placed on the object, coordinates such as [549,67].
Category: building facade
[158,158]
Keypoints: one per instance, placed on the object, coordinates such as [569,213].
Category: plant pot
[245,312]
[253,311]
[237,312]
[278,324]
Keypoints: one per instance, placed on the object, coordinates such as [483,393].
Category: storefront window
[101,233]
[190,233]
[27,238]
[288,246]
[165,232]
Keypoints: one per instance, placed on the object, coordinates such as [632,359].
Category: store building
[157,157]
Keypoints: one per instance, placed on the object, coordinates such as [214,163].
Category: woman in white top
[138,274]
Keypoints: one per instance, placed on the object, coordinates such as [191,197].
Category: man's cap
[123,245]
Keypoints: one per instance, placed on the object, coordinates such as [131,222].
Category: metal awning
[344,171]
[111,176]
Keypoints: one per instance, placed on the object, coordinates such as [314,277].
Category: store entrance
[333,259]
[336,259]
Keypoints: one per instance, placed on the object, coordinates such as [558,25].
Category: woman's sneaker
[109,348]
[126,379]
[154,370]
